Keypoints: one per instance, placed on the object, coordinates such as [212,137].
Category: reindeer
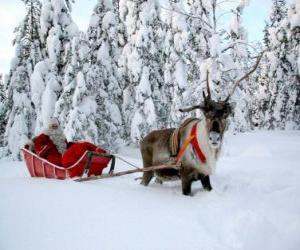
[197,162]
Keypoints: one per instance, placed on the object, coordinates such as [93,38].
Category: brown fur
[155,150]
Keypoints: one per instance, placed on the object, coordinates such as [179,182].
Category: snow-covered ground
[255,204]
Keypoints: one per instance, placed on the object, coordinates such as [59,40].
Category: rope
[120,158]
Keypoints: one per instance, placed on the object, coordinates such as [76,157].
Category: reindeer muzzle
[215,139]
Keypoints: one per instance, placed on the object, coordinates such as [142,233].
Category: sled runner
[89,164]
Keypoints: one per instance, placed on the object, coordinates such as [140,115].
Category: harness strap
[183,147]
[192,139]
[196,146]
[174,140]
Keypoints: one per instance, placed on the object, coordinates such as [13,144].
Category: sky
[12,12]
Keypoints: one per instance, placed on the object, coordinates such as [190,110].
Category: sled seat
[90,164]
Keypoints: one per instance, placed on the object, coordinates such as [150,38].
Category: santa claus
[52,143]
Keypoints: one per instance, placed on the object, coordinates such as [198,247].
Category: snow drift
[255,204]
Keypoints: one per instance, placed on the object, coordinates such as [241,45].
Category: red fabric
[195,144]
[75,151]
[45,148]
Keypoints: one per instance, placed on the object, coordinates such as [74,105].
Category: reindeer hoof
[186,192]
[145,182]
[158,181]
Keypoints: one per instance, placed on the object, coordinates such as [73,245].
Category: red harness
[192,139]
[195,144]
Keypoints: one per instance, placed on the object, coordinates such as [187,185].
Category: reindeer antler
[190,109]
[207,85]
[259,57]
[206,98]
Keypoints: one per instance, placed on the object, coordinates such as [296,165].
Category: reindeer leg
[186,182]
[186,186]
[147,176]
[147,162]
[205,182]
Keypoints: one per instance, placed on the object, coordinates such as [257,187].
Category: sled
[90,164]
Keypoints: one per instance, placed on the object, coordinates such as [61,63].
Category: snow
[255,204]
[180,74]
[49,97]
[108,19]
[214,43]
[144,87]
[103,54]
[294,14]
[137,120]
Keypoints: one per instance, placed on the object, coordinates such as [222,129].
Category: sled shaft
[153,168]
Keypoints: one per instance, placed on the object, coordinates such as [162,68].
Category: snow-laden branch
[188,15]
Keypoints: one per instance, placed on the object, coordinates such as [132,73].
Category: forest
[139,62]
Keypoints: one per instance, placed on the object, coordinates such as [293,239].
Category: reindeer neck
[202,137]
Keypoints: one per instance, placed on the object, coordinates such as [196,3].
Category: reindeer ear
[203,108]
[229,108]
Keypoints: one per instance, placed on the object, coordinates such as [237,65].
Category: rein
[192,139]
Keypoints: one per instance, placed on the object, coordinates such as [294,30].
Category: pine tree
[175,67]
[78,56]
[259,95]
[142,59]
[57,31]
[29,51]
[103,76]
[293,27]
[81,124]
[239,54]
[275,73]
[3,101]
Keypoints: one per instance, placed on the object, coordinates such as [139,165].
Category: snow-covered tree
[81,122]
[278,13]
[3,101]
[78,56]
[175,67]
[29,51]
[142,60]
[279,68]
[293,25]
[279,76]
[103,76]
[239,52]
[57,31]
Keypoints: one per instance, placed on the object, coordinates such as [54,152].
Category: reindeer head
[217,112]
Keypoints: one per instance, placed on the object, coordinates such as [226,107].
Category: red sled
[90,164]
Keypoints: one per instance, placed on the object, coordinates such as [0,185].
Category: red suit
[45,148]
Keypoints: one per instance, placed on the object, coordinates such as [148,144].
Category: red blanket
[73,154]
